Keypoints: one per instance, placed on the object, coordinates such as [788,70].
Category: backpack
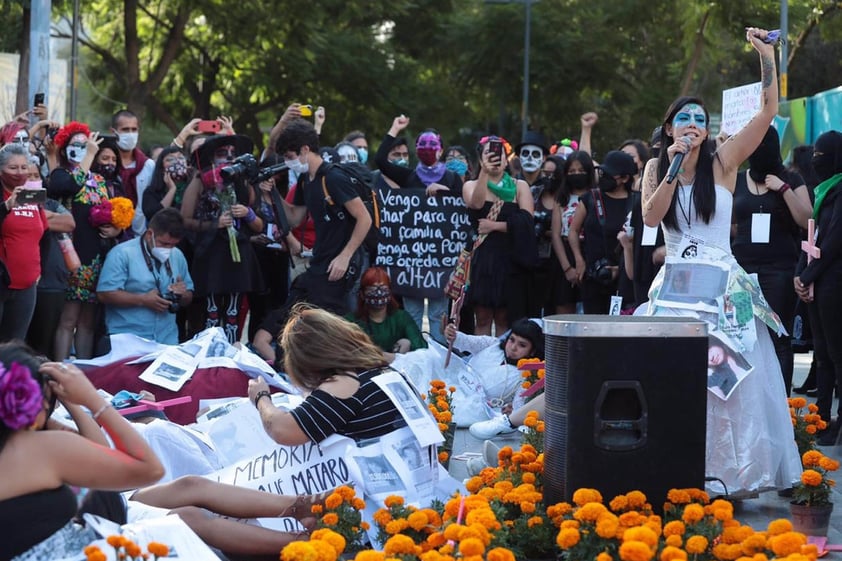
[363,181]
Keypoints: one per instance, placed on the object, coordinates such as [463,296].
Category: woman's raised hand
[71,385]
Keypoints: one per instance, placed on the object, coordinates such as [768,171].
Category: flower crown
[118,212]
[68,131]
[20,396]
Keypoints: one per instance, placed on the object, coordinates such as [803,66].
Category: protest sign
[739,105]
[421,238]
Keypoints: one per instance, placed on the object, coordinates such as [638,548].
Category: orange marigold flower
[417,520]
[299,551]
[674,541]
[674,528]
[828,464]
[316,509]
[727,552]
[618,503]
[606,526]
[811,429]
[540,426]
[333,500]
[755,543]
[97,556]
[370,555]
[787,543]
[331,518]
[334,539]
[584,496]
[678,496]
[324,550]
[530,422]
[696,545]
[358,503]
[636,499]
[437,384]
[567,538]
[132,549]
[528,478]
[393,500]
[604,557]
[346,492]
[396,526]
[811,478]
[779,526]
[500,554]
[534,521]
[811,458]
[797,402]
[527,507]
[400,545]
[635,551]
[589,512]
[693,513]
[471,546]
[641,534]
[812,407]
[671,553]
[443,456]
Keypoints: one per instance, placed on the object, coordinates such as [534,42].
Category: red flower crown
[68,131]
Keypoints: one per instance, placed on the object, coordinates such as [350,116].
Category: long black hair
[530,331]
[18,352]
[704,192]
[563,195]
[157,184]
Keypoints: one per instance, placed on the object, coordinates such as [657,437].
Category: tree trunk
[22,101]
[697,55]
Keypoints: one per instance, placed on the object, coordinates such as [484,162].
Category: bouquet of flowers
[815,486]
[440,403]
[341,515]
[227,199]
[118,212]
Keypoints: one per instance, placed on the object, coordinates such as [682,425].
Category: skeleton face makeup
[347,153]
[531,157]
[690,113]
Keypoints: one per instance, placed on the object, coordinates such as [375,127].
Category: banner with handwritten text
[421,240]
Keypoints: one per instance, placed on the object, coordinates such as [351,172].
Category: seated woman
[83,459]
[335,361]
[391,328]
[36,502]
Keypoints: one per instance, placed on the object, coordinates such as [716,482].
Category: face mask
[76,153]
[297,166]
[403,162]
[160,253]
[656,151]
[426,156]
[823,166]
[824,161]
[577,181]
[766,158]
[107,171]
[607,183]
[458,167]
[377,296]
[362,154]
[347,154]
[126,140]
[177,170]
[531,158]
[12,180]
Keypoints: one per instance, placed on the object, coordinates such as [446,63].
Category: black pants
[776,283]
[42,328]
[16,308]
[825,314]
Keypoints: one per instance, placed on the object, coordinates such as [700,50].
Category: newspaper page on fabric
[418,418]
[693,284]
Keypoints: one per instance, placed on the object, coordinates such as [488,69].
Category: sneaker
[490,453]
[475,465]
[484,430]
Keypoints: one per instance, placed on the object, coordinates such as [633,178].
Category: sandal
[303,505]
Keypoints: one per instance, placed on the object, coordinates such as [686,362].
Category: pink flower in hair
[20,397]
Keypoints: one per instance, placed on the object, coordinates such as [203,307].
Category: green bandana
[505,190]
[821,191]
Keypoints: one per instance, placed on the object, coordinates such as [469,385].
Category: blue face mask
[458,167]
[362,154]
[403,162]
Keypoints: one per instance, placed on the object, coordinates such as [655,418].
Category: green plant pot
[810,520]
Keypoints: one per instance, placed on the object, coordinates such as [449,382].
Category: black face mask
[824,156]
[655,151]
[577,181]
[607,184]
[107,171]
[766,159]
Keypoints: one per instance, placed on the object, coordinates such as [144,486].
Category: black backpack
[363,181]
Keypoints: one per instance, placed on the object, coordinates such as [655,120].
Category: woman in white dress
[750,444]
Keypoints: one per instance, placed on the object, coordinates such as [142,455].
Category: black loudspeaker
[625,405]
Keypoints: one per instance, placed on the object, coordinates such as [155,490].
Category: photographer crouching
[145,281]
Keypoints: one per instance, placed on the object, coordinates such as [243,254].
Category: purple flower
[20,397]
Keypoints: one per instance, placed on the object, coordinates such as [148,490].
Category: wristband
[260,394]
[567,269]
[784,188]
[251,216]
[177,144]
[101,410]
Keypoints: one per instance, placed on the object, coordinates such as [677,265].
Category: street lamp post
[524,109]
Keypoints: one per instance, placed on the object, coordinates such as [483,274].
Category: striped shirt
[368,413]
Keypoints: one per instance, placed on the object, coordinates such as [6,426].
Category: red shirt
[306,231]
[20,249]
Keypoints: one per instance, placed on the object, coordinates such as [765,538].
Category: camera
[246,168]
[52,132]
[542,220]
[175,301]
[600,272]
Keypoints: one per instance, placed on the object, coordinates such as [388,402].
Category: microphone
[676,163]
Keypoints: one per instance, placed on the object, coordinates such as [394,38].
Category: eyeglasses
[536,153]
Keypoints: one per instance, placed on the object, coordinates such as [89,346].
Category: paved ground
[756,512]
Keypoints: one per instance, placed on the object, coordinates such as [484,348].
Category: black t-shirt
[333,223]
[783,246]
[599,243]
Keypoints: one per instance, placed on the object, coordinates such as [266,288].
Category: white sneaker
[484,430]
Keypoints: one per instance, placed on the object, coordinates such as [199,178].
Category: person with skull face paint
[771,204]
[391,328]
[749,444]
[600,216]
[209,207]
[432,175]
[824,275]
[80,189]
[136,168]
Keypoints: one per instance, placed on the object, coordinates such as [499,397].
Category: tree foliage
[453,65]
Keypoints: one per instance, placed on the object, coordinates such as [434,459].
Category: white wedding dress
[750,442]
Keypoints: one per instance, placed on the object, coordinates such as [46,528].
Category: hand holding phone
[32,196]
[39,99]
[495,147]
[306,110]
[206,126]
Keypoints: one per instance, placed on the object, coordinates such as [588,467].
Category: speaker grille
[556,445]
